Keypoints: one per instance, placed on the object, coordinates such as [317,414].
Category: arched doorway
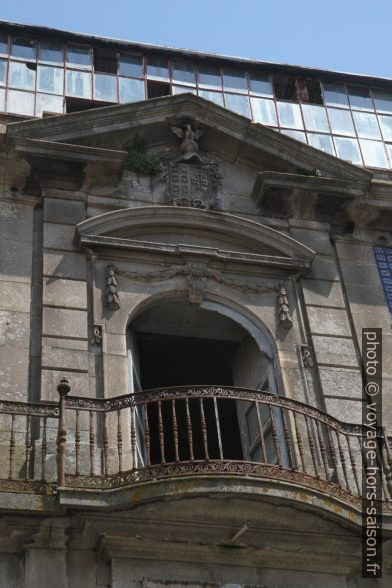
[173,343]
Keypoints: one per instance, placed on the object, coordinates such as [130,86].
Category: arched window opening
[173,343]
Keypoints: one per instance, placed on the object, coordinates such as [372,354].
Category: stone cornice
[82,125]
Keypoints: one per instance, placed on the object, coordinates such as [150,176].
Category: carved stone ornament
[191,180]
[307,356]
[96,337]
[196,275]
[111,294]
[284,312]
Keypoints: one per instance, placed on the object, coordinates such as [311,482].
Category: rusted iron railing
[171,432]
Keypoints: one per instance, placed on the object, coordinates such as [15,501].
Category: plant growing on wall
[139,160]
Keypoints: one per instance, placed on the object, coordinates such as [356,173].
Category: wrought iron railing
[172,432]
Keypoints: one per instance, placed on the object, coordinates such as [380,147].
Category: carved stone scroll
[284,312]
[307,356]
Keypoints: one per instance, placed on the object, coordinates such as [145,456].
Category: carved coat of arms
[191,180]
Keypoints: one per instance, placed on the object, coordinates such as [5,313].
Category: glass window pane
[341,122]
[157,68]
[235,80]
[383,100]
[23,47]
[366,125]
[389,150]
[51,51]
[184,72]
[131,65]
[348,149]
[386,127]
[79,84]
[264,111]
[260,84]
[289,115]
[79,57]
[50,79]
[322,142]
[47,103]
[315,118]
[335,95]
[300,136]
[183,90]
[22,76]
[3,44]
[131,90]
[359,98]
[2,99]
[374,153]
[105,88]
[209,77]
[216,97]
[20,102]
[3,72]
[238,103]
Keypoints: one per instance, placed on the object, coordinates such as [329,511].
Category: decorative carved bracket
[307,356]
[112,298]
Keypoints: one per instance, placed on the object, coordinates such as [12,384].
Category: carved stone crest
[191,180]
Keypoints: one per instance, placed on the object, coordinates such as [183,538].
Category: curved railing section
[100,444]
[184,431]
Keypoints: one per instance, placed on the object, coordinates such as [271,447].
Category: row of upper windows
[283,87]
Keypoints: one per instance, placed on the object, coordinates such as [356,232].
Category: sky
[343,35]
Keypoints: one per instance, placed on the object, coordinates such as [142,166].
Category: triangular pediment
[105,132]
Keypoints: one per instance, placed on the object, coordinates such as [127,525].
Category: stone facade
[285,253]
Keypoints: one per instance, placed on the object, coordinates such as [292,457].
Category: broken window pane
[322,142]
[20,102]
[359,98]
[209,77]
[309,91]
[366,125]
[315,118]
[383,100]
[105,60]
[341,122]
[79,57]
[300,136]
[24,48]
[51,51]
[373,153]
[3,44]
[286,88]
[348,149]
[50,79]
[183,90]
[335,95]
[234,79]
[386,127]
[79,84]
[131,90]
[105,88]
[260,84]
[21,75]
[290,115]
[131,65]
[216,97]
[184,72]
[264,111]
[157,68]
[47,103]
[3,72]
[2,99]
[238,103]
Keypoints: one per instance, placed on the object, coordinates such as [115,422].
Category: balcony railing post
[63,389]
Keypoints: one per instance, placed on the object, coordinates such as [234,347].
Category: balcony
[88,445]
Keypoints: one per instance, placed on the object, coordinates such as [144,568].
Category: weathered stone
[335,351]
[15,261]
[52,378]
[63,322]
[323,293]
[65,265]
[68,293]
[328,321]
[55,358]
[59,236]
[68,212]
[15,296]
[341,383]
